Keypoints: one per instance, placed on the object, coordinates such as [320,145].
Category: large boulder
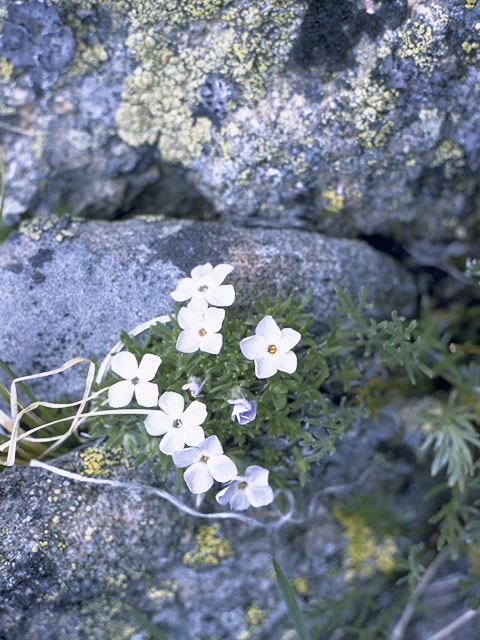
[68,289]
[74,553]
[347,116]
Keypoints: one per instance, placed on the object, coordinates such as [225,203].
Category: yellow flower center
[242,485]
[272,349]
[202,332]
[204,459]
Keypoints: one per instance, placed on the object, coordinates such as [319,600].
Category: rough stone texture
[71,288]
[348,116]
[72,553]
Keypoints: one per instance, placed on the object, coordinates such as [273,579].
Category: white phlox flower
[252,489]
[137,380]
[177,425]
[195,387]
[270,348]
[206,284]
[206,462]
[200,330]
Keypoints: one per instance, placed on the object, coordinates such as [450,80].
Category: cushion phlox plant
[189,432]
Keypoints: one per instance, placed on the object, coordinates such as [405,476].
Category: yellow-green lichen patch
[451,156]
[367,552]
[210,548]
[34,228]
[165,590]
[255,616]
[105,613]
[6,68]
[300,584]
[419,41]
[470,4]
[332,200]
[96,460]
[246,46]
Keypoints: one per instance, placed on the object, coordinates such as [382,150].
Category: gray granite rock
[68,289]
[72,553]
[347,116]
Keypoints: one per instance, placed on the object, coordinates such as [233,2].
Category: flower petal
[172,403]
[171,442]
[286,362]
[148,367]
[198,478]
[202,272]
[186,457]
[125,365]
[253,347]
[189,318]
[220,296]
[211,446]
[239,501]
[289,339]
[192,434]
[185,290]
[211,343]
[195,413]
[220,272]
[222,468]
[259,496]
[266,367]
[158,423]
[198,302]
[146,394]
[213,319]
[225,495]
[120,394]
[257,475]
[188,341]
[249,415]
[269,329]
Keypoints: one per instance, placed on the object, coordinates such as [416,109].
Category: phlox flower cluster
[181,427]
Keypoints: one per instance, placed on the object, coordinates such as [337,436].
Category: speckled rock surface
[348,116]
[72,553]
[69,289]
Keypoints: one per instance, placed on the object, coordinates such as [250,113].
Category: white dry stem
[12,423]
[17,434]
[411,606]
[147,489]
[446,632]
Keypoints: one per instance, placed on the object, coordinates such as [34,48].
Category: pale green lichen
[247,45]
[210,548]
[165,590]
[255,616]
[34,228]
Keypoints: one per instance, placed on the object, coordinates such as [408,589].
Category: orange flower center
[204,458]
[272,349]
[202,332]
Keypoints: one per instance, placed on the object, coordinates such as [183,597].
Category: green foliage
[154,632]
[451,429]
[288,594]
